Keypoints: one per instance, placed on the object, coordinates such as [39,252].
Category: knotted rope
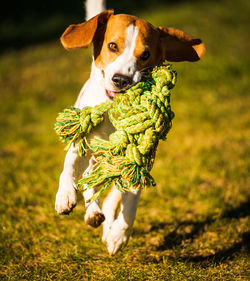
[142,116]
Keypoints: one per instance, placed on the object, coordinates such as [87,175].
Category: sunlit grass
[195,224]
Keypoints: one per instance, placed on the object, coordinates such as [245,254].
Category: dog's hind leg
[118,235]
[109,208]
[93,216]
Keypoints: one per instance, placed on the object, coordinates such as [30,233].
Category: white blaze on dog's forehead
[132,32]
[126,63]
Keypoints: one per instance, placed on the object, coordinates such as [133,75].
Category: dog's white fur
[116,232]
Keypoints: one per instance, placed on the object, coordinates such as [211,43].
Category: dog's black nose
[121,81]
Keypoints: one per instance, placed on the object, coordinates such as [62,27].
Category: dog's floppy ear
[179,46]
[81,35]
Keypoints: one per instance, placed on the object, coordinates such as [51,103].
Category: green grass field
[195,225]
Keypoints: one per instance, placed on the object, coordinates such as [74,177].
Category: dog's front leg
[66,194]
[119,233]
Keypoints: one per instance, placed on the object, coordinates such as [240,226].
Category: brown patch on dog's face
[146,50]
[116,34]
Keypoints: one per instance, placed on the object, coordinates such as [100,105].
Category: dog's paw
[65,200]
[117,238]
[94,219]
[94,216]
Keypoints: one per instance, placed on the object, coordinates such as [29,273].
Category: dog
[123,47]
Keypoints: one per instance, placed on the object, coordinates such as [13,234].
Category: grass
[195,224]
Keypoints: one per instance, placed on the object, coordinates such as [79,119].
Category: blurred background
[28,22]
[195,223]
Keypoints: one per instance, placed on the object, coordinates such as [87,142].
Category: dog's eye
[145,55]
[113,47]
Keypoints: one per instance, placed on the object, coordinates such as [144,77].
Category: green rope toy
[141,116]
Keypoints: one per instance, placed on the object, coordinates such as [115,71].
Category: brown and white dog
[124,46]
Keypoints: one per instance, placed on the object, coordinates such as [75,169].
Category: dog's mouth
[110,94]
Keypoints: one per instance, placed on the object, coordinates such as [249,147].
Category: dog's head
[125,45]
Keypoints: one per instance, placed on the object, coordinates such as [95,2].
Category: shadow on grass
[176,237]
[223,255]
